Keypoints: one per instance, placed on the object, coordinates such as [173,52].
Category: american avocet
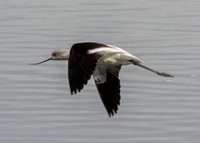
[104,63]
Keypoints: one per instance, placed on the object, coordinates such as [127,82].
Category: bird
[101,61]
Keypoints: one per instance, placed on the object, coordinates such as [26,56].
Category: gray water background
[35,101]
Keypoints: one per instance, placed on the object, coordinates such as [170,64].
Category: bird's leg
[147,68]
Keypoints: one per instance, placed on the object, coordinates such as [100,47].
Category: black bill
[40,62]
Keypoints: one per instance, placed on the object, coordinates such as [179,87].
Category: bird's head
[61,54]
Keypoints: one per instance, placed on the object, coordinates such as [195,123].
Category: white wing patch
[100,74]
[99,79]
[101,49]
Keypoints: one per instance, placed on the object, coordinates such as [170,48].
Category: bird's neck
[65,54]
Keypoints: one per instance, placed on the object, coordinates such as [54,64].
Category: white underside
[111,59]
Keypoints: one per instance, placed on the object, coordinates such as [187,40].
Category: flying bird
[104,63]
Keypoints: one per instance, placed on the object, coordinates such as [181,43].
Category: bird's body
[104,63]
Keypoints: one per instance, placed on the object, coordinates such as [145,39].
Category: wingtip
[73,92]
[112,113]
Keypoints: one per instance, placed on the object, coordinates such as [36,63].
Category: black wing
[110,91]
[81,65]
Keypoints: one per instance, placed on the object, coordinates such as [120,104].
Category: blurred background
[35,101]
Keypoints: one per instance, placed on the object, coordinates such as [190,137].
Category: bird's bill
[41,62]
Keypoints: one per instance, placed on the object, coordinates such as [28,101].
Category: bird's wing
[81,66]
[108,85]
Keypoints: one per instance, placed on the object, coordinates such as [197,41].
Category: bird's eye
[54,54]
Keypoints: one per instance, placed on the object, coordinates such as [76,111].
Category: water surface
[35,101]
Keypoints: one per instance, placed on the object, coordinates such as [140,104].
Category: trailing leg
[147,68]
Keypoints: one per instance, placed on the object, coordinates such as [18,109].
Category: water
[35,102]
